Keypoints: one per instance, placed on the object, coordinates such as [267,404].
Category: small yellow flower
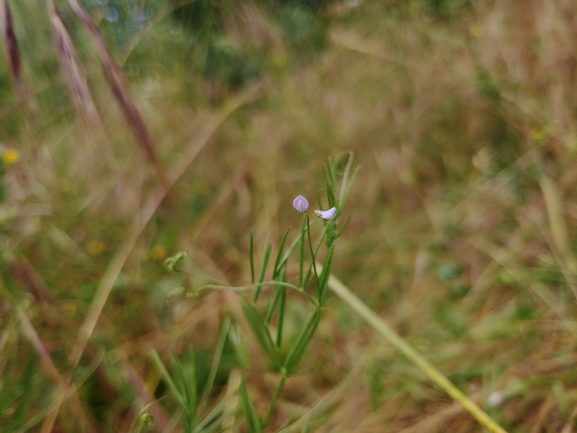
[477,30]
[158,252]
[69,308]
[10,156]
[538,133]
[95,247]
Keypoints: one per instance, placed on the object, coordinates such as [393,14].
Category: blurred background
[461,115]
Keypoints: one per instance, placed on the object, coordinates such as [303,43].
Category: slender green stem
[415,357]
[317,248]
[275,397]
[313,258]
[302,250]
[280,320]
[259,285]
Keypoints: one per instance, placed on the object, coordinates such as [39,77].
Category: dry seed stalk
[121,91]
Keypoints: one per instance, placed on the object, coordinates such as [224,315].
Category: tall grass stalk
[415,357]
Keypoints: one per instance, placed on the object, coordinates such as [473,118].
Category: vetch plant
[282,351]
[266,315]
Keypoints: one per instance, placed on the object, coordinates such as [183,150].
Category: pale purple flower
[301,204]
[327,214]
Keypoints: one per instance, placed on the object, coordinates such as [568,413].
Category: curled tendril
[170,262]
[146,419]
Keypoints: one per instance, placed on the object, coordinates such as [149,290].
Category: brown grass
[462,234]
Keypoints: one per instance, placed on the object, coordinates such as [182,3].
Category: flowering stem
[302,251]
[311,247]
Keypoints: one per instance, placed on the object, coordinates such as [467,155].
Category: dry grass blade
[554,204]
[121,91]
[12,47]
[79,92]
[415,357]
[140,221]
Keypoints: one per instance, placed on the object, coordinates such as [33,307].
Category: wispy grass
[460,236]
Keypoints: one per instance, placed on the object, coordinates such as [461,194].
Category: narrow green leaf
[302,340]
[276,269]
[213,414]
[252,421]
[218,422]
[239,345]
[280,320]
[167,378]
[261,332]
[215,363]
[267,252]
[345,185]
[276,296]
[188,391]
[288,252]
[323,279]
[306,426]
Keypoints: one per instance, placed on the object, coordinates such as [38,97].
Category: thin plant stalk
[302,250]
[415,357]
[275,397]
[313,255]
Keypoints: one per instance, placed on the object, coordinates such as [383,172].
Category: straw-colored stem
[415,357]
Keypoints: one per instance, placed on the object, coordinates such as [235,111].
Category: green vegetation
[154,275]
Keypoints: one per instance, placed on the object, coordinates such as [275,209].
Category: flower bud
[301,204]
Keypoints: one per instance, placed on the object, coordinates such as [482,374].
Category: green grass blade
[215,363]
[252,421]
[261,331]
[277,267]
[288,252]
[415,357]
[276,297]
[281,309]
[267,252]
[188,391]
[302,340]
[323,278]
[251,256]
[345,188]
[167,378]
[217,423]
[213,414]
[239,345]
